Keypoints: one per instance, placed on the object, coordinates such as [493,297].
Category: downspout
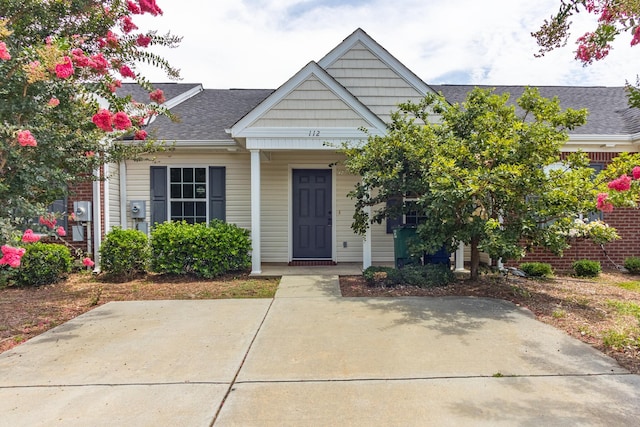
[97,221]
[123,195]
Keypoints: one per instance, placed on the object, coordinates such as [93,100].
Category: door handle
[329,219]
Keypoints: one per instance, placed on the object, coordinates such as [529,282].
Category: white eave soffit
[361,36]
[241,128]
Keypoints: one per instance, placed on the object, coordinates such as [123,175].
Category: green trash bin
[401,239]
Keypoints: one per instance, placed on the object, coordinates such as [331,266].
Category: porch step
[310,263]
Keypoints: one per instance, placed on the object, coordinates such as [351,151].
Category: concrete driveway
[312,358]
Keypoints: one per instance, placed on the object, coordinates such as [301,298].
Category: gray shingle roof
[171,90]
[205,116]
[609,112]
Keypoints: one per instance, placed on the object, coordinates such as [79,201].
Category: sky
[260,44]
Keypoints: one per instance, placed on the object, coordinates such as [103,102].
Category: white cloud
[260,43]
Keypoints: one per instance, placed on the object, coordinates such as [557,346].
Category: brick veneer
[625,220]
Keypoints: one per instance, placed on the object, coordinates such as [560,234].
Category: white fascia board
[311,69]
[302,144]
[177,100]
[599,142]
[360,36]
[310,133]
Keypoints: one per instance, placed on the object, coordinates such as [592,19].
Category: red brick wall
[626,221]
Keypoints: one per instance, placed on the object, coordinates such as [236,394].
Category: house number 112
[314,133]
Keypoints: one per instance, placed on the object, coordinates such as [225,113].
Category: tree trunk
[475,258]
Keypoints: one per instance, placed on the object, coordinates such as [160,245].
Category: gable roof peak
[361,36]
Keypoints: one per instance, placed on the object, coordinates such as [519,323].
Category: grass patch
[630,286]
[625,308]
[252,289]
[618,339]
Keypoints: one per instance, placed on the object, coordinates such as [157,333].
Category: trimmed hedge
[586,268]
[198,249]
[43,264]
[632,264]
[423,276]
[124,253]
[537,269]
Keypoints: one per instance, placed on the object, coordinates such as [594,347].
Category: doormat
[310,263]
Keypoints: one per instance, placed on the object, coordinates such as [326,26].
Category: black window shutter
[217,193]
[158,194]
[395,222]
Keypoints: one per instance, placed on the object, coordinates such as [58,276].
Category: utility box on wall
[82,211]
[138,209]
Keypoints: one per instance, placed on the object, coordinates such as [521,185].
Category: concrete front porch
[282,269]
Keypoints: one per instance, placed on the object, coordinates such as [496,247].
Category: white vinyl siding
[238,199]
[372,81]
[112,173]
[311,104]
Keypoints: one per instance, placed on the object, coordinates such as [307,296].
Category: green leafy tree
[484,173]
[615,18]
[61,63]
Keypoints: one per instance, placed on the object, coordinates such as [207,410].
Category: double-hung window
[193,194]
[188,194]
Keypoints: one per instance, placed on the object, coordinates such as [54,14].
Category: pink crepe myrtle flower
[49,220]
[64,69]
[29,236]
[99,63]
[80,59]
[25,139]
[121,121]
[157,96]
[72,216]
[104,120]
[133,7]
[125,71]
[127,24]
[4,53]
[113,86]
[53,102]
[89,154]
[149,6]
[620,184]
[636,173]
[602,203]
[11,256]
[636,36]
[87,262]
[140,135]
[143,41]
[61,231]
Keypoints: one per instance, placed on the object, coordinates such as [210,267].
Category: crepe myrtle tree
[614,18]
[484,172]
[61,62]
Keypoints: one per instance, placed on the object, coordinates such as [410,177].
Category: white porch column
[460,257]
[256,260]
[366,244]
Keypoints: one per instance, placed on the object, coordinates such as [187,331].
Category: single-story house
[266,159]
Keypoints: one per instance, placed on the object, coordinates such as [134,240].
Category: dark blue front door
[312,213]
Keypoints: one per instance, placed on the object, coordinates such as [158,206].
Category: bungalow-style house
[266,160]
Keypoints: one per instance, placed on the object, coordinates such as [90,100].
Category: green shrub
[537,269]
[198,249]
[382,276]
[124,253]
[632,264]
[43,264]
[427,275]
[586,268]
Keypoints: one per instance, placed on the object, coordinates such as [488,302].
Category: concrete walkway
[312,358]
